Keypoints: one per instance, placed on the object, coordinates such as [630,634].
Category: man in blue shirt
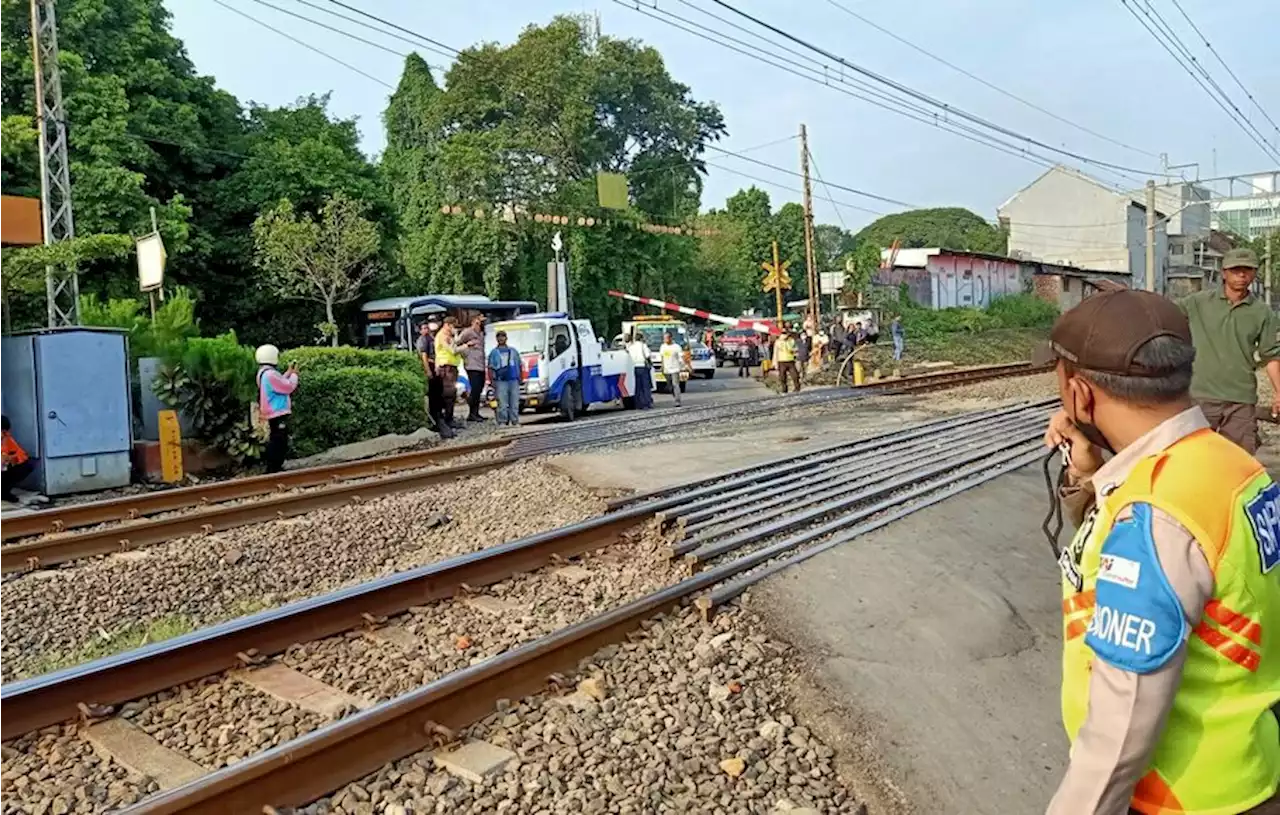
[504,373]
[895,328]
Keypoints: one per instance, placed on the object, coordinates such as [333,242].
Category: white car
[703,360]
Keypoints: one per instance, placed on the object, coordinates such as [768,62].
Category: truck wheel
[710,374]
[684,385]
[568,403]
[629,402]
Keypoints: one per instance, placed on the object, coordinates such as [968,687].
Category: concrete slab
[397,636]
[934,645]
[572,573]
[297,688]
[120,741]
[474,761]
[492,605]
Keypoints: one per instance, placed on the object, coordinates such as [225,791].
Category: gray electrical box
[66,393]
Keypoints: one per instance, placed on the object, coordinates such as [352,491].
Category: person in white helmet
[275,403]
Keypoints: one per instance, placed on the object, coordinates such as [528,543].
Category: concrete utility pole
[811,272]
[1151,235]
[62,286]
[1266,271]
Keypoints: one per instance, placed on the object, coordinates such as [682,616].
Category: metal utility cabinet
[66,393]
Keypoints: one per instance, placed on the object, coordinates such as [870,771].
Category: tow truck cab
[566,367]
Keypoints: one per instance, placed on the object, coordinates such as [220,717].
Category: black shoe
[446,432]
[475,419]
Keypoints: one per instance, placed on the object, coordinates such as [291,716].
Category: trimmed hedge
[335,405]
[322,358]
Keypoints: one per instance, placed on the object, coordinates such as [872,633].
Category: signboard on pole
[151,261]
[830,282]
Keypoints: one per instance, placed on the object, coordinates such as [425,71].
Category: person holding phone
[275,402]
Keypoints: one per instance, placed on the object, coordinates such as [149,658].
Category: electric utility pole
[62,286]
[811,272]
[1151,235]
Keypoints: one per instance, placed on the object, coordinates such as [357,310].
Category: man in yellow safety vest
[1171,586]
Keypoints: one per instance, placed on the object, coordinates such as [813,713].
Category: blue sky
[1088,61]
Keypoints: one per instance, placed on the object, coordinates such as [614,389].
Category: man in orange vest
[17,464]
[1171,586]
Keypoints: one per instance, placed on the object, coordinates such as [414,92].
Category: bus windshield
[527,338]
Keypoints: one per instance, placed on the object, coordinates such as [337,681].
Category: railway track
[734,529]
[123,524]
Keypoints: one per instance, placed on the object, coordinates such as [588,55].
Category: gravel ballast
[694,718]
[50,617]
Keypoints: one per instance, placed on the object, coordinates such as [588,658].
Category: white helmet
[267,355]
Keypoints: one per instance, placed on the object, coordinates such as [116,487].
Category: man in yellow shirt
[784,353]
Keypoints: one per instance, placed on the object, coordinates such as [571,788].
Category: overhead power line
[449,50]
[824,77]
[305,45]
[940,105]
[988,84]
[799,174]
[1150,19]
[739,154]
[417,43]
[834,78]
[1225,66]
[818,175]
[334,29]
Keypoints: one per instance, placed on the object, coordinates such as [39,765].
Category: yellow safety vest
[445,355]
[1219,753]
[786,348]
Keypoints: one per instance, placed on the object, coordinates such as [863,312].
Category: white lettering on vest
[1123,629]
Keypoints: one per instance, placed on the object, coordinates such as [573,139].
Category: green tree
[945,227]
[326,259]
[525,128]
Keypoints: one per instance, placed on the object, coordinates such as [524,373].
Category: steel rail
[767,472]
[300,771]
[976,460]
[731,589]
[923,464]
[837,472]
[911,431]
[18,557]
[130,507]
[50,698]
[587,436]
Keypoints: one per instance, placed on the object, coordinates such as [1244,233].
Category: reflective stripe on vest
[1220,748]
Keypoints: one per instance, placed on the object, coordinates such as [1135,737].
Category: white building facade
[1065,217]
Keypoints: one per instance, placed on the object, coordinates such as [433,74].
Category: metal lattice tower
[62,285]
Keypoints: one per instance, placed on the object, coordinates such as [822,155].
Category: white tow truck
[566,366]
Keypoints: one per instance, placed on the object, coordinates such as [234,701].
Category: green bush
[341,405]
[212,381]
[1023,311]
[312,358]
[1010,311]
[173,326]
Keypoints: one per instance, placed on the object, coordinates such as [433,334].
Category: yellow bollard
[858,375]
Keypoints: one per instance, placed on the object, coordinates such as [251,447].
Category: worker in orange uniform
[17,464]
[1171,586]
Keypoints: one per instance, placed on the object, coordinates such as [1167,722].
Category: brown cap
[1105,331]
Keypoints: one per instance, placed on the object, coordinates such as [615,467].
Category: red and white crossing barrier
[736,322]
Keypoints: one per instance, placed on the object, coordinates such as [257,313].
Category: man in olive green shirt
[1228,326]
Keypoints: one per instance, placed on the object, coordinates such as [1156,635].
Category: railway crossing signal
[777,279]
